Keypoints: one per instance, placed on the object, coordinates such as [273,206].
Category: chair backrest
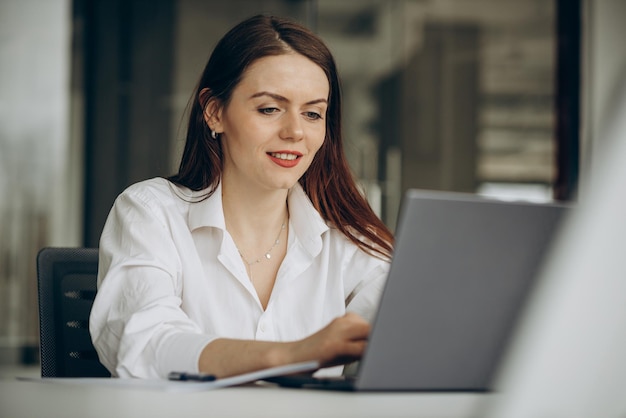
[66,279]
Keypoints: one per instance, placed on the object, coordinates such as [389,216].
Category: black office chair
[66,279]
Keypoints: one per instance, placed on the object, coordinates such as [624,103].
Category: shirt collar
[207,211]
[307,223]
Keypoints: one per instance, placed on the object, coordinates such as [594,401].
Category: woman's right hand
[342,341]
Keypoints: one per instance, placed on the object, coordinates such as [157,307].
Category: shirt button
[262,327]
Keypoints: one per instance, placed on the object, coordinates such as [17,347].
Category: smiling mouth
[283,156]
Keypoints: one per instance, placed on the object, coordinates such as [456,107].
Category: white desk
[36,399]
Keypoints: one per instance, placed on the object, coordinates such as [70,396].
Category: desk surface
[35,399]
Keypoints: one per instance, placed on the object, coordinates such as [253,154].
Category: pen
[194,377]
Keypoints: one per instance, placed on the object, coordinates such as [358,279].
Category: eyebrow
[284,99]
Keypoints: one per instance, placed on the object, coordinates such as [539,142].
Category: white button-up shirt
[171,280]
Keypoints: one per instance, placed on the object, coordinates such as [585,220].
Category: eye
[268,110]
[312,115]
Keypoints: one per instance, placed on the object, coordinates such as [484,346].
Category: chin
[284,185]
[283,182]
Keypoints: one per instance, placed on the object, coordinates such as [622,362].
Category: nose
[291,129]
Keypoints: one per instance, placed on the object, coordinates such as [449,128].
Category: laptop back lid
[462,268]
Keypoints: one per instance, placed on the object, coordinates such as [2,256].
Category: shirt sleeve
[366,276]
[136,323]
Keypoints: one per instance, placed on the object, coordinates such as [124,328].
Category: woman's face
[274,123]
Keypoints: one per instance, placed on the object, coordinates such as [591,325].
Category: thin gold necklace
[268,253]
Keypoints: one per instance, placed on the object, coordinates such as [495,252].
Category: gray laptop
[462,268]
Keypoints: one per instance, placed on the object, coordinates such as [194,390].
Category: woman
[260,251]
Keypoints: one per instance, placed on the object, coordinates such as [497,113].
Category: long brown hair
[328,182]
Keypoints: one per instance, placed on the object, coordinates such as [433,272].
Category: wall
[604,68]
[40,168]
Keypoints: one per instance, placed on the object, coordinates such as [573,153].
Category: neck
[252,216]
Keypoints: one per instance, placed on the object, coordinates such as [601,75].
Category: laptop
[462,268]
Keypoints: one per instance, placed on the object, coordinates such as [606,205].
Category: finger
[352,316]
[347,353]
[355,348]
[358,329]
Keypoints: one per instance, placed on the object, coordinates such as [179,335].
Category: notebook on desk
[462,268]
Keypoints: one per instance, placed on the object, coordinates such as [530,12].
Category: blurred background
[496,97]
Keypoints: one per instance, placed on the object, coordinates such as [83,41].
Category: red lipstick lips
[285,159]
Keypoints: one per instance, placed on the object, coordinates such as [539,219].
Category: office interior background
[496,97]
